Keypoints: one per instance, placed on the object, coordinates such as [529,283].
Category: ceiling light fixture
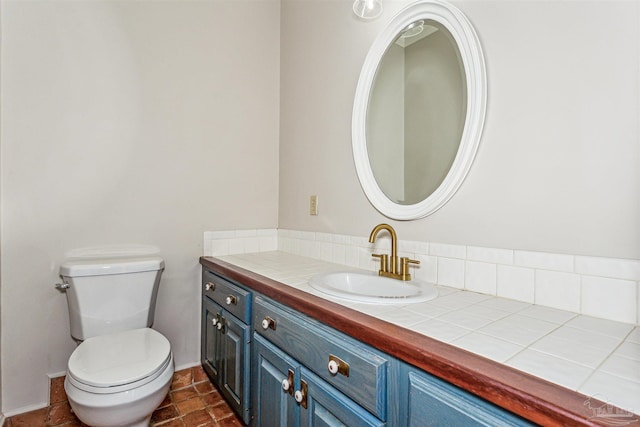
[367,9]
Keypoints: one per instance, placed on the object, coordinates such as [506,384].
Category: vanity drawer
[235,299]
[312,344]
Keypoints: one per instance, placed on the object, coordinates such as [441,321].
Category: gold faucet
[389,264]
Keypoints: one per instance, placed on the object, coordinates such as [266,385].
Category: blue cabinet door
[234,380]
[211,346]
[326,406]
[272,405]
[225,355]
[433,402]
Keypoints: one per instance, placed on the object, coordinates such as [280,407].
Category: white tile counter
[596,357]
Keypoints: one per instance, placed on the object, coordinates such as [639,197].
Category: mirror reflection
[416,112]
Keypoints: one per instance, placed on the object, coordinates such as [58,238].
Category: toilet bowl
[119,379]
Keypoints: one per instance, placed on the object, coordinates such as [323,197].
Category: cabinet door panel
[211,349]
[433,402]
[236,341]
[272,406]
[326,406]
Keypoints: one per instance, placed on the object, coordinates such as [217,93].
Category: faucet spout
[394,242]
[389,265]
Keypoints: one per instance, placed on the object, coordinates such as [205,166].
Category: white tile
[460,299]
[338,254]
[220,247]
[515,283]
[448,251]
[557,290]
[222,234]
[601,326]
[548,314]
[427,270]
[585,338]
[488,312]
[480,277]
[569,350]
[442,331]
[612,299]
[509,329]
[614,390]
[634,335]
[504,304]
[267,232]
[488,346]
[622,367]
[550,368]
[427,309]
[628,349]
[402,317]
[608,267]
[251,244]
[464,319]
[544,260]
[451,272]
[495,256]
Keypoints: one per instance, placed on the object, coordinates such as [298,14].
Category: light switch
[313,205]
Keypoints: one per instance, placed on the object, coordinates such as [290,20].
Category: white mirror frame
[473,61]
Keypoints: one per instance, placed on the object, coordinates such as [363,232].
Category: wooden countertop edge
[533,398]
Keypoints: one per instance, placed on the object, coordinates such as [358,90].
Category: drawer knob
[268,323]
[285,385]
[210,286]
[337,366]
[231,299]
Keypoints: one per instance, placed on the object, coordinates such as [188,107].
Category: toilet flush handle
[62,286]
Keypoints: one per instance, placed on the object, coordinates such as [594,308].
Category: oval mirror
[419,110]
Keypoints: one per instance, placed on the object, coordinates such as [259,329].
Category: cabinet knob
[268,323]
[214,321]
[287,383]
[301,395]
[333,367]
[209,286]
[231,299]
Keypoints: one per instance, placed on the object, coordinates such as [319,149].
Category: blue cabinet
[430,401]
[225,352]
[285,393]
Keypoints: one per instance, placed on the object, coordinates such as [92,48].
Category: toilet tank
[111,295]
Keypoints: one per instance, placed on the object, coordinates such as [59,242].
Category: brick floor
[192,402]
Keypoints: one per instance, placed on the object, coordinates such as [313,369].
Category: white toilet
[122,369]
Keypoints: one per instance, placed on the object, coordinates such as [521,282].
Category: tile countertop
[596,357]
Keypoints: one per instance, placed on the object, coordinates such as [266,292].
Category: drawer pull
[338,366]
[301,395]
[231,299]
[210,286]
[268,323]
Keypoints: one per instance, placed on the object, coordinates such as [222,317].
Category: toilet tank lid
[106,266]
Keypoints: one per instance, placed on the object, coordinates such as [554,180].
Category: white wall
[127,122]
[557,168]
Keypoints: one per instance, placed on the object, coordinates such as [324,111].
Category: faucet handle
[384,262]
[404,263]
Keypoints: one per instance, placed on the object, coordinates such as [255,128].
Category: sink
[371,288]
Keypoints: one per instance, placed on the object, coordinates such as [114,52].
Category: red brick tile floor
[192,402]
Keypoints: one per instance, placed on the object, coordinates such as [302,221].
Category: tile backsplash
[601,287]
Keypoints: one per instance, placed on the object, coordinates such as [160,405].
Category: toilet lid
[119,358]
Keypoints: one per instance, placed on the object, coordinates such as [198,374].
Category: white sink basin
[371,288]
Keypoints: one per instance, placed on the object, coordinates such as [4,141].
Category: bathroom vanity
[287,355]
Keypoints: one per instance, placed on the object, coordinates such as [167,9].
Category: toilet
[122,369]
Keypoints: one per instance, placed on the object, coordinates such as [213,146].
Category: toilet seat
[120,361]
